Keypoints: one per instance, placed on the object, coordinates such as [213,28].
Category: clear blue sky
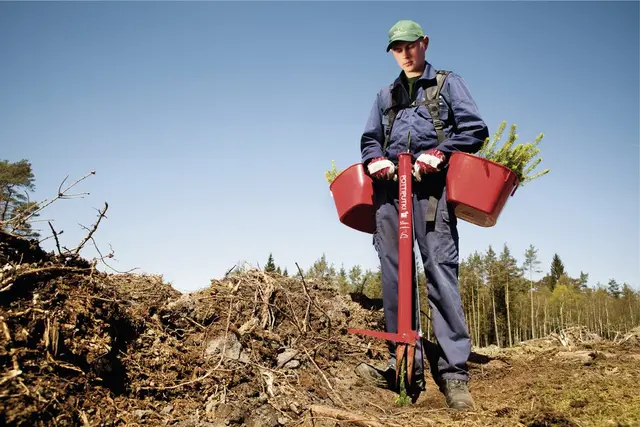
[211,124]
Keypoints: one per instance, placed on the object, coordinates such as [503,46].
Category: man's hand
[381,168]
[429,162]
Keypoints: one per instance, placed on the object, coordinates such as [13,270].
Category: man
[434,219]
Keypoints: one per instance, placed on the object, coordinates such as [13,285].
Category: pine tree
[320,268]
[583,281]
[489,268]
[508,273]
[355,278]
[614,288]
[16,179]
[271,266]
[530,265]
[343,282]
[557,270]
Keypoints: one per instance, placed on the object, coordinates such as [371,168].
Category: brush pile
[82,347]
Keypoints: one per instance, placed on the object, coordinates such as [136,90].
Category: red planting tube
[405,244]
[405,333]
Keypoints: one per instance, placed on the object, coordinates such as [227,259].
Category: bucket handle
[515,187]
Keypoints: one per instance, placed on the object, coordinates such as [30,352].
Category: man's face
[410,55]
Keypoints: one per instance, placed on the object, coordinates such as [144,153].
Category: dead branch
[293,311]
[10,375]
[351,417]
[305,325]
[61,195]
[266,317]
[324,376]
[85,420]
[109,255]
[306,291]
[202,328]
[226,335]
[5,330]
[226,274]
[14,357]
[93,229]
[55,235]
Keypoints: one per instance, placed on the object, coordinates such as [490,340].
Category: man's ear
[425,40]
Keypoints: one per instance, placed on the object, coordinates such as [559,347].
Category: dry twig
[109,255]
[93,229]
[62,194]
[306,291]
[324,376]
[55,235]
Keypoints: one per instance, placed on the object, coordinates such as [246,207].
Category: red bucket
[352,192]
[479,188]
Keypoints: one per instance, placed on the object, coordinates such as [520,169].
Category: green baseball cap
[404,31]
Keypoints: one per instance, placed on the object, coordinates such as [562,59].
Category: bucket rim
[355,165]
[483,159]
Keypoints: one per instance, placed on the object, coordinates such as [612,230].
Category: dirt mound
[80,347]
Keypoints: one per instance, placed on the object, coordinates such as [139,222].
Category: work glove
[428,162]
[381,168]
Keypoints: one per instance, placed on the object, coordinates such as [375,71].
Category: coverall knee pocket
[446,236]
[384,237]
[446,248]
[446,221]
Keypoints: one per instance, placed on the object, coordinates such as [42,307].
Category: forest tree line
[502,302]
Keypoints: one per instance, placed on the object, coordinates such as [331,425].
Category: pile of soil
[82,347]
[87,348]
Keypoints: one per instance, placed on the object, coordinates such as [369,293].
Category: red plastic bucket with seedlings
[479,188]
[352,192]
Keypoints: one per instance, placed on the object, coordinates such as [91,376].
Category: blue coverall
[437,237]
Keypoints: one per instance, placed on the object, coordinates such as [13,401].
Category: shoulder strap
[432,104]
[390,113]
[433,95]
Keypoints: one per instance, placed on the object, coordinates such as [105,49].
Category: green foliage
[321,269]
[583,280]
[373,283]
[331,174]
[520,158]
[270,266]
[531,261]
[16,179]
[557,270]
[613,287]
[403,399]
[343,281]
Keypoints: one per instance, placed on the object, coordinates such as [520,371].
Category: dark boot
[382,378]
[457,396]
